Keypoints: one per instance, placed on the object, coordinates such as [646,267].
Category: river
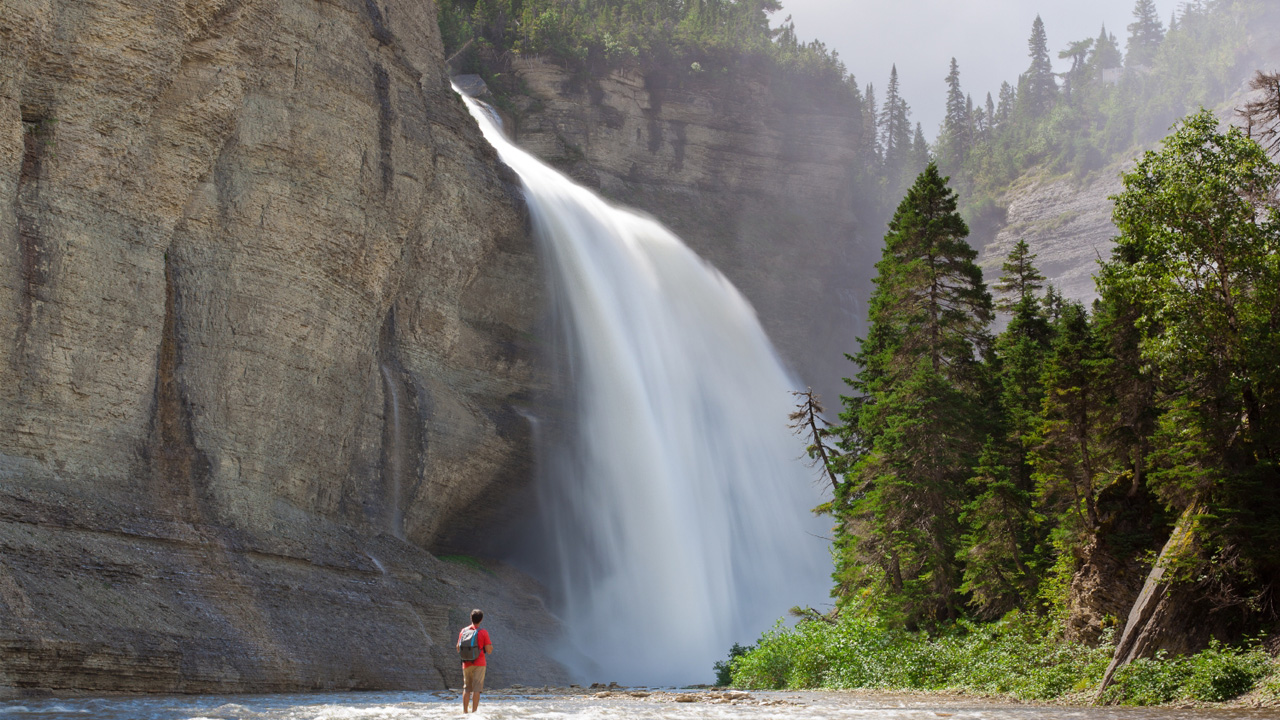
[620,704]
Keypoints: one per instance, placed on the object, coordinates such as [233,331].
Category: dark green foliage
[724,668]
[1002,545]
[596,35]
[911,424]
[1198,260]
[1213,675]
[722,47]
[1019,656]
[1074,434]
[1016,656]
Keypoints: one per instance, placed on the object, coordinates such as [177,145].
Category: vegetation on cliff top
[594,36]
[1108,103]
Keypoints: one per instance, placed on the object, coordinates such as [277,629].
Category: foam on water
[424,706]
[677,515]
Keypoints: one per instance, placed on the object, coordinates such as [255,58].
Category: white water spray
[678,512]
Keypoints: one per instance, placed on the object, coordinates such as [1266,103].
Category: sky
[988,38]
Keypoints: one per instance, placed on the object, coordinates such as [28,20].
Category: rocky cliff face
[266,308]
[1066,224]
[754,180]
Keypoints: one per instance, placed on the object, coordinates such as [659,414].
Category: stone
[267,304]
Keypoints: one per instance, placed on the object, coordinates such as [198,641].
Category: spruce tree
[919,149]
[895,134]
[1145,34]
[1001,539]
[871,126]
[1078,51]
[1019,279]
[955,124]
[1106,54]
[1042,88]
[1071,454]
[1008,100]
[917,395]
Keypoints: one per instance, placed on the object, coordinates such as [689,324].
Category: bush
[1018,656]
[1219,674]
[724,668]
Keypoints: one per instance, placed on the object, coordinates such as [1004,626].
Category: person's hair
[476,617]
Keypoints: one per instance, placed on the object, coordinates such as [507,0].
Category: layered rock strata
[266,309]
[1066,224]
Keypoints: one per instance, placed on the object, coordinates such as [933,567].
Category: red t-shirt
[483,641]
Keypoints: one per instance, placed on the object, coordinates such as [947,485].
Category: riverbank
[1019,658]
[516,703]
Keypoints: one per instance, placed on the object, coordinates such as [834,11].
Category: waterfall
[676,514]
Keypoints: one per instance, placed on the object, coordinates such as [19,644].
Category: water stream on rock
[676,511]
[395,453]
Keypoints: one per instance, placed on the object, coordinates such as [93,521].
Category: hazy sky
[987,37]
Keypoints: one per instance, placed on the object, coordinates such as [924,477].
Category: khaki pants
[473,678]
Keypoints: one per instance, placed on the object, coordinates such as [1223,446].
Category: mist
[987,37]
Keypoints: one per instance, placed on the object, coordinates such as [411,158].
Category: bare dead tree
[1262,116]
[807,421]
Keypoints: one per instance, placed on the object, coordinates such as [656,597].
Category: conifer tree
[919,149]
[1078,51]
[871,126]
[895,134]
[991,117]
[956,121]
[1019,279]
[1008,100]
[1001,532]
[1106,54]
[917,396]
[1042,88]
[1070,450]
[1145,34]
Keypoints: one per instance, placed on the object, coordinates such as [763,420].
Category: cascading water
[676,514]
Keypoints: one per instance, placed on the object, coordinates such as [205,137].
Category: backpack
[469,645]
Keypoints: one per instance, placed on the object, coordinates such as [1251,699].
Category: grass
[1016,657]
[466,561]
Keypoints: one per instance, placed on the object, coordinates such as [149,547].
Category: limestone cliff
[754,176]
[1067,224]
[265,303]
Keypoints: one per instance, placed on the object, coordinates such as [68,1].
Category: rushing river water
[555,706]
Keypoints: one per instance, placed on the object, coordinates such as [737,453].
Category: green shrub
[724,668]
[1149,681]
[1219,674]
[1018,656]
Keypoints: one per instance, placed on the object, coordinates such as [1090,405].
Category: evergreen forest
[1011,465]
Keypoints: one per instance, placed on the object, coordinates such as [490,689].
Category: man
[473,670]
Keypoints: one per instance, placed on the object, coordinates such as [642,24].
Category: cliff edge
[266,309]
